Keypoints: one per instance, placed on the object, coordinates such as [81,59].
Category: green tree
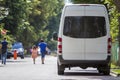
[15,22]
[30,20]
[17,13]
[45,18]
[53,25]
[114,14]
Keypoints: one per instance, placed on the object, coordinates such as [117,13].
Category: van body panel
[74,11]
[87,63]
[96,49]
[95,11]
[72,52]
[75,50]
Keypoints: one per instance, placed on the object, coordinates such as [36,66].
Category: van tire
[60,69]
[105,70]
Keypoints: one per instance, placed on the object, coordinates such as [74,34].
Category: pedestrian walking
[42,45]
[4,44]
[34,53]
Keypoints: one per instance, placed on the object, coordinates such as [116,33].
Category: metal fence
[115,52]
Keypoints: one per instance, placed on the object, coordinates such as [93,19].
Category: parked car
[19,49]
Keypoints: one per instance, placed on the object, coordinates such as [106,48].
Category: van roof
[84,4]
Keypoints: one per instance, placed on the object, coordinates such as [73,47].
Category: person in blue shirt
[42,45]
[4,51]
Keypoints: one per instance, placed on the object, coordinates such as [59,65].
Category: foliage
[53,25]
[16,15]
[115,69]
[114,14]
[3,14]
[30,20]
[8,37]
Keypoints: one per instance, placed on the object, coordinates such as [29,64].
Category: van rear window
[84,26]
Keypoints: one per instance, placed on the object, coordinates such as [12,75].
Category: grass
[115,69]
[114,66]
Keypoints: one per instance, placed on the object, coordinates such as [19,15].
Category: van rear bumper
[84,63]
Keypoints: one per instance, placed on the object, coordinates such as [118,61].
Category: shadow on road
[84,73]
[15,61]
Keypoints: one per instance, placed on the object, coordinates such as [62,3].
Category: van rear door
[72,45]
[96,33]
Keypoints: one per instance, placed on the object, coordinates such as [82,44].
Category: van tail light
[109,45]
[59,45]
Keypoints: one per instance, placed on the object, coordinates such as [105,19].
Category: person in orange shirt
[34,53]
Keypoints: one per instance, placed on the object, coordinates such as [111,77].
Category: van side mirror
[55,36]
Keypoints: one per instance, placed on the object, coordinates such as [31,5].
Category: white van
[84,38]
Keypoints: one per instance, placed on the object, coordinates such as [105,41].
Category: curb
[115,74]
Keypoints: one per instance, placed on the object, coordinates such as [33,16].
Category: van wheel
[105,70]
[60,69]
[99,70]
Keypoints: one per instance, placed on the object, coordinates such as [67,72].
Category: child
[34,53]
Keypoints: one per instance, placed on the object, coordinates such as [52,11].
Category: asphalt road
[24,69]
